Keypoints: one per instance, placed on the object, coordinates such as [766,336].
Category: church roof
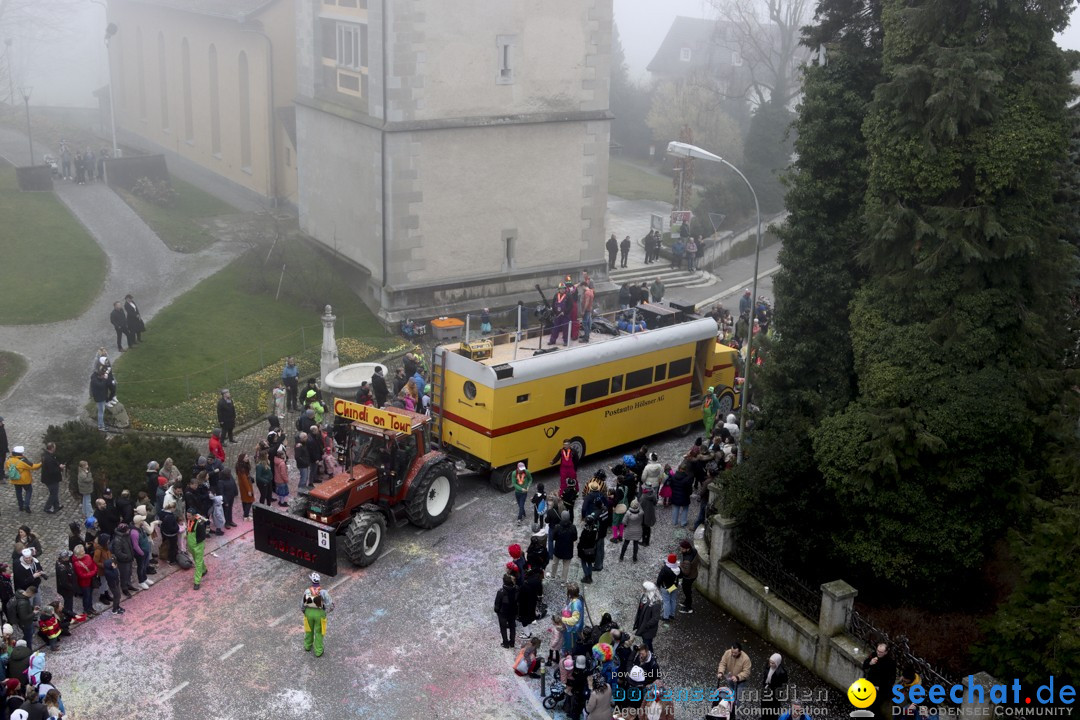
[239,10]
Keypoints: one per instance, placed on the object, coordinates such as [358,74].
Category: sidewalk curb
[734,289]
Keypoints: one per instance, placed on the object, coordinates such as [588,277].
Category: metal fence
[772,574]
[861,627]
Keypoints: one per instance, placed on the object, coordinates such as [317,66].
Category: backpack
[13,471]
[184,561]
[121,548]
[36,667]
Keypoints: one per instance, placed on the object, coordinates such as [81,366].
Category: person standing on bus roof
[567,459]
[561,323]
[587,296]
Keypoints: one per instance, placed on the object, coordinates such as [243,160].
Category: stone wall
[821,644]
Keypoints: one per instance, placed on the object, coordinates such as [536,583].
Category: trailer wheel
[726,404]
[502,478]
[364,536]
[684,430]
[299,505]
[431,495]
[577,444]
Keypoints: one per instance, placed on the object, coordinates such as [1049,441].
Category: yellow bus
[518,405]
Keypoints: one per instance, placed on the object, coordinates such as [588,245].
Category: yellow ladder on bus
[438,381]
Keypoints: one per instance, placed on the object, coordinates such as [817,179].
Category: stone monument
[329,361]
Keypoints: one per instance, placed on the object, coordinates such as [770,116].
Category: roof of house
[707,47]
[239,10]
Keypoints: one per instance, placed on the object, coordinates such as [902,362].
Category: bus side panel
[466,422]
[606,422]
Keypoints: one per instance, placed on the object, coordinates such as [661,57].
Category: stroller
[556,693]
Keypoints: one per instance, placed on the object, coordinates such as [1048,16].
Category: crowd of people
[602,670]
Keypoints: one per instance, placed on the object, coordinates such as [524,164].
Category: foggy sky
[66,70]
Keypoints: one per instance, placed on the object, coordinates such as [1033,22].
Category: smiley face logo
[861,693]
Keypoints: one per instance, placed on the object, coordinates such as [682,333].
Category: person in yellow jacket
[315,605]
[18,470]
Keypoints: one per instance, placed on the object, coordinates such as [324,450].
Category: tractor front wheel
[431,495]
[364,536]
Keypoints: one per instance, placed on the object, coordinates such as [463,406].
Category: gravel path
[60,355]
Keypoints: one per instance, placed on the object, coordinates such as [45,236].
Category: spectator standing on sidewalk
[52,474]
[667,580]
[86,488]
[691,254]
[85,573]
[624,251]
[522,482]
[4,449]
[226,414]
[18,471]
[290,377]
[100,389]
[689,564]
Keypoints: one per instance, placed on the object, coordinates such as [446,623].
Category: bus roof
[575,357]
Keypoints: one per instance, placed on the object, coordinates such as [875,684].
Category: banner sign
[367,415]
[296,539]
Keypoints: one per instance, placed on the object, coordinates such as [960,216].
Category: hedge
[116,461]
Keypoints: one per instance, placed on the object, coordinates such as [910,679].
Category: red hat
[162,481]
[511,567]
[514,550]
[672,559]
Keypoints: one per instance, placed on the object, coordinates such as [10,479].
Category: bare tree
[767,33]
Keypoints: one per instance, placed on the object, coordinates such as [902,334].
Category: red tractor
[393,477]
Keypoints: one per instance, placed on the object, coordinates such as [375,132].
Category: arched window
[163,82]
[142,72]
[245,113]
[215,105]
[185,62]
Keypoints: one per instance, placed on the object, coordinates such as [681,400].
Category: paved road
[412,636]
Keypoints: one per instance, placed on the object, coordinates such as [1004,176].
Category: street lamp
[680,149]
[111,30]
[26,90]
[10,74]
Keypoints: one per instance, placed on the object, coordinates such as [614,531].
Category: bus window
[523,398]
[638,378]
[661,372]
[594,390]
[616,384]
[571,396]
[679,367]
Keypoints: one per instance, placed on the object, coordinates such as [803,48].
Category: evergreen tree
[778,495]
[956,334]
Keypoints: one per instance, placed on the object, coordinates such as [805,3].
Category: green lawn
[53,269]
[630,182]
[12,367]
[230,325]
[176,225]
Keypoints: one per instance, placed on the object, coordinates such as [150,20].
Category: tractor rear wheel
[299,505]
[364,536]
[502,478]
[431,495]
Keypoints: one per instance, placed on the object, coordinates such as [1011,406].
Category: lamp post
[10,74]
[26,90]
[111,30]
[686,150]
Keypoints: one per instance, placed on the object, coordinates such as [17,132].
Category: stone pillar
[976,701]
[721,545]
[837,600]
[329,361]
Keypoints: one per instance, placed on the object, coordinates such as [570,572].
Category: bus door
[702,355]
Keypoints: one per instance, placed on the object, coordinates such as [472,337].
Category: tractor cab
[391,476]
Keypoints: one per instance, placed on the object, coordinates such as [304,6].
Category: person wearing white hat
[18,471]
[522,481]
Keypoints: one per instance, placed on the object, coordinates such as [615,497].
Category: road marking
[230,652]
[464,505]
[393,549]
[277,621]
[178,688]
[342,581]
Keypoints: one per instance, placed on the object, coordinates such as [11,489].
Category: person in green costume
[315,605]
